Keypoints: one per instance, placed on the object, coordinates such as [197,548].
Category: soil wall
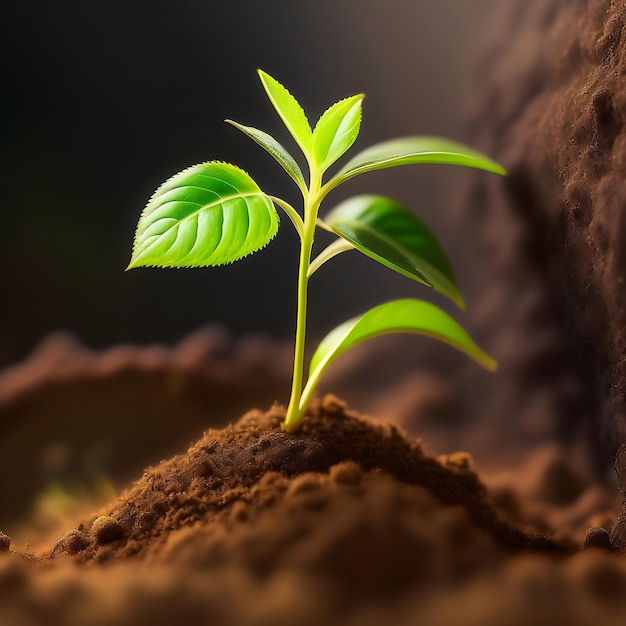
[549,103]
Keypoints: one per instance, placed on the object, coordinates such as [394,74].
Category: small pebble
[204,469]
[597,537]
[106,529]
[72,542]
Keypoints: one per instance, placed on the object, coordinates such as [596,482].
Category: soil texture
[552,108]
[346,521]
[350,520]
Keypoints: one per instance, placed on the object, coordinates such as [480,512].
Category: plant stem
[311,206]
[293,416]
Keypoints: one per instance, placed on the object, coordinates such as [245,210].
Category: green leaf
[398,316]
[391,234]
[209,214]
[329,252]
[272,146]
[410,150]
[336,130]
[289,110]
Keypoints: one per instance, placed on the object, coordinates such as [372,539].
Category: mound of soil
[254,463]
[347,521]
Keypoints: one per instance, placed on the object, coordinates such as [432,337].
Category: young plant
[214,213]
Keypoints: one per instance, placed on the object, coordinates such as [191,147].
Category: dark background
[104,100]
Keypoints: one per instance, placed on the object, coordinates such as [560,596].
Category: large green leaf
[270,144]
[337,130]
[209,214]
[289,110]
[398,316]
[410,150]
[389,233]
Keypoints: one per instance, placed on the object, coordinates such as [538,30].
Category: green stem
[312,202]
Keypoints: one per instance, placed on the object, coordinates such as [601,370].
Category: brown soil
[253,465]
[90,418]
[347,521]
[551,107]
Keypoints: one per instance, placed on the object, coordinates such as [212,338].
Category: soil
[347,521]
[551,107]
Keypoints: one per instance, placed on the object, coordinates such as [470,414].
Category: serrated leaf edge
[145,213]
[304,143]
[358,99]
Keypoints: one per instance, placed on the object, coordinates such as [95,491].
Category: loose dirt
[347,521]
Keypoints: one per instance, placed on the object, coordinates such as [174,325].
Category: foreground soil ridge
[238,468]
[346,522]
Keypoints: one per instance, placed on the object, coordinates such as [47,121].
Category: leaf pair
[335,131]
[214,213]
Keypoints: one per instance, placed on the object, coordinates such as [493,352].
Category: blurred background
[102,101]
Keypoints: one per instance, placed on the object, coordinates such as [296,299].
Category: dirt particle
[304,483]
[72,542]
[270,481]
[347,473]
[597,537]
[332,404]
[204,469]
[239,512]
[106,529]
[5,542]
[145,521]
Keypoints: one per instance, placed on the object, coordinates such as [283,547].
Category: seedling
[214,213]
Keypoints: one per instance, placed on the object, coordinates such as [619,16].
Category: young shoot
[213,213]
